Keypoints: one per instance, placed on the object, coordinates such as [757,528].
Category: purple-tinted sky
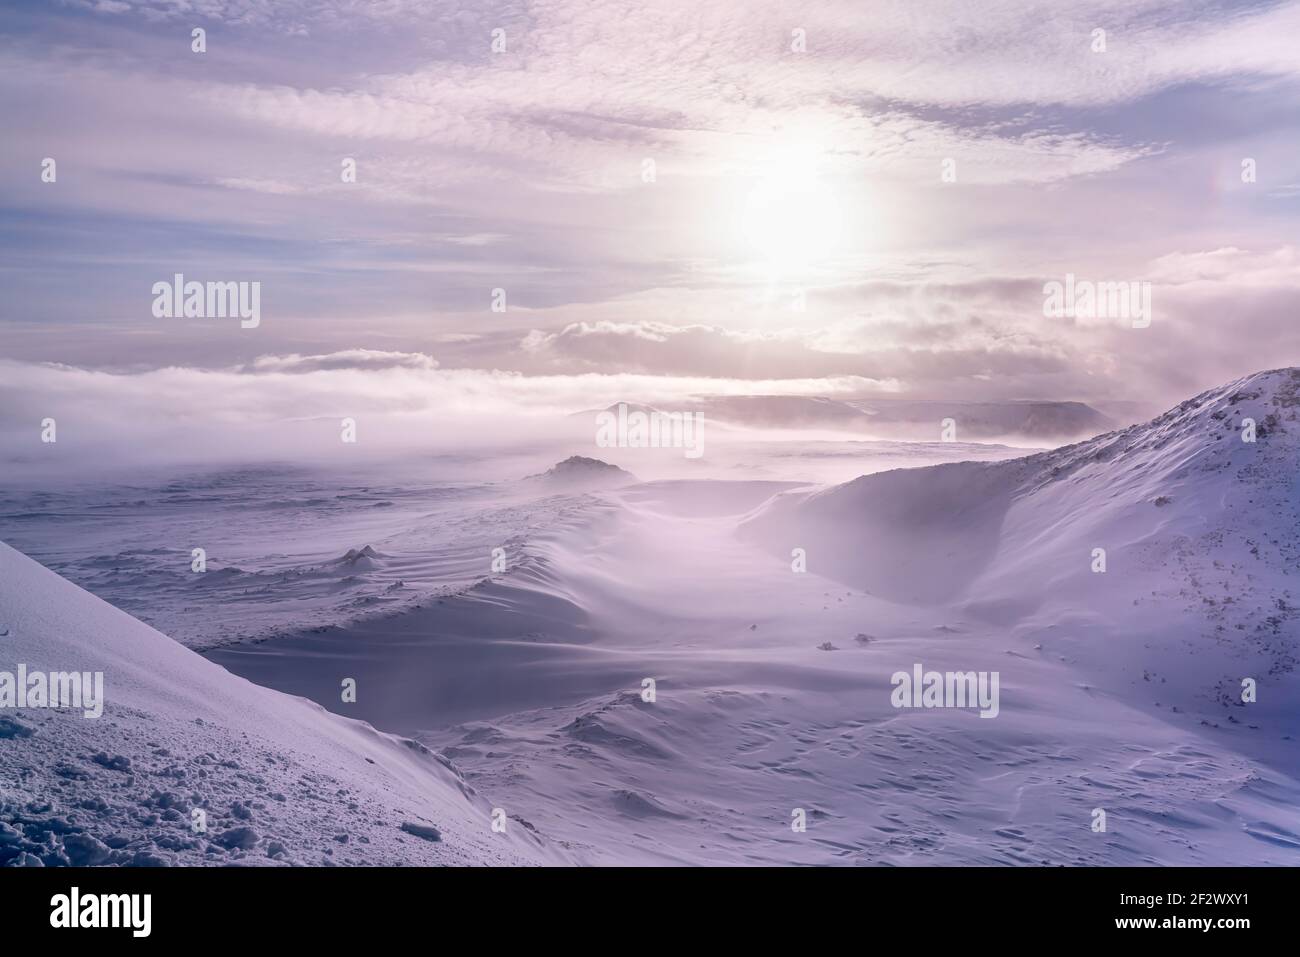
[798,153]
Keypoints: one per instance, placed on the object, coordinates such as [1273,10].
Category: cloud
[987,337]
[522,170]
[359,359]
[274,187]
[876,351]
[291,408]
[1228,264]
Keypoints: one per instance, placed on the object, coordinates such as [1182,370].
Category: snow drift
[278,779]
[1167,546]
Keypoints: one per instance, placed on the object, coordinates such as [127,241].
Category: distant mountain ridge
[907,419]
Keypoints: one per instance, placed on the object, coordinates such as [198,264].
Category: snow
[578,473]
[280,779]
[1119,690]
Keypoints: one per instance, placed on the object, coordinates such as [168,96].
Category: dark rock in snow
[116,762]
[148,859]
[238,837]
[425,831]
[84,850]
[13,728]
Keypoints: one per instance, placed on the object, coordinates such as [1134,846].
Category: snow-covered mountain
[910,419]
[915,420]
[278,779]
[654,677]
[1195,515]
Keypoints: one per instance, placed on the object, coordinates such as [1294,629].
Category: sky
[672,197]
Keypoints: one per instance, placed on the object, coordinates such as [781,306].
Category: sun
[790,219]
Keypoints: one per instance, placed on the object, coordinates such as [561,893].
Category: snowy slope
[773,694]
[281,780]
[532,684]
[1120,690]
[1200,530]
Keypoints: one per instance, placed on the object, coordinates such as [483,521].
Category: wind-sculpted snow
[1134,709]
[273,779]
[673,671]
[283,552]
